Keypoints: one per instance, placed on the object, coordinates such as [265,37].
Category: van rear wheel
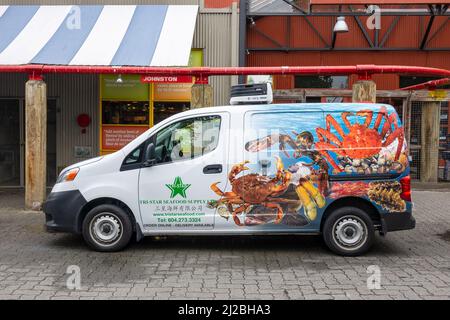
[107,228]
[348,231]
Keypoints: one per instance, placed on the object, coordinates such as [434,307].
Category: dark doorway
[51,142]
[12,142]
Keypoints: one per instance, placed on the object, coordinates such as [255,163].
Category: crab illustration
[302,141]
[361,141]
[254,189]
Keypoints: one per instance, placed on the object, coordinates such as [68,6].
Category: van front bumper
[397,221]
[62,210]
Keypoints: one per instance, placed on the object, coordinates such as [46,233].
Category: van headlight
[68,175]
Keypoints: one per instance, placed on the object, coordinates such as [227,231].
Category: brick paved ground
[414,264]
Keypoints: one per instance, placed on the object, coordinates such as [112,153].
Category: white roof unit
[259,93]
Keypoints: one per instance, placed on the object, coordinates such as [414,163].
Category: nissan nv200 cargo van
[336,169]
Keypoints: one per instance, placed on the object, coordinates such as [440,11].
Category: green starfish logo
[178,187]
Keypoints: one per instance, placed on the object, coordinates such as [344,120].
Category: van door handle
[212,168]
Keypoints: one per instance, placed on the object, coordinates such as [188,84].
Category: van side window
[134,159]
[187,139]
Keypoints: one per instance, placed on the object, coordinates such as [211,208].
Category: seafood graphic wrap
[361,141]
[291,156]
[387,195]
[254,189]
[354,188]
[301,145]
[310,196]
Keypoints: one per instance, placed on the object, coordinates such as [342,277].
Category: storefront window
[321,82]
[171,98]
[406,81]
[130,105]
[125,112]
[163,110]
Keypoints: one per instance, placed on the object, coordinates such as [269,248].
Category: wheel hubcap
[350,232]
[106,228]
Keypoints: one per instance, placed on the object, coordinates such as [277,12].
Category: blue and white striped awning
[142,35]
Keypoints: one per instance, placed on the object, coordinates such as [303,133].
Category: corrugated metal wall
[214,36]
[407,34]
[75,94]
[438,59]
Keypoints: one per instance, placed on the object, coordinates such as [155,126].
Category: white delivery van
[336,169]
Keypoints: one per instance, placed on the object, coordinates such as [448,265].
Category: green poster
[129,89]
[196,58]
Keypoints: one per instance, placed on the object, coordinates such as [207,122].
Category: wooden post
[364,91]
[35,143]
[406,119]
[429,156]
[201,96]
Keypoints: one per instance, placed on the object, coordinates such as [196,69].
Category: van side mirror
[150,158]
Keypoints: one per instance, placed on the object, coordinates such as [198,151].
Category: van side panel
[299,161]
[367,151]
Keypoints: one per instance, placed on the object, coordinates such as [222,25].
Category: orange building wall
[407,34]
[219,3]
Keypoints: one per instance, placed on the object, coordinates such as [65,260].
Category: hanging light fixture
[340,26]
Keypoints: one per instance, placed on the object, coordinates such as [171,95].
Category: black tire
[348,231]
[107,228]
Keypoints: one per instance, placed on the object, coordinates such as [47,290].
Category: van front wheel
[107,228]
[348,231]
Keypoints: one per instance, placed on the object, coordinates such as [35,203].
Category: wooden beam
[429,153]
[420,95]
[201,96]
[406,119]
[35,143]
[364,91]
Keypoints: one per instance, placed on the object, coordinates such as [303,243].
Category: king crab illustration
[361,141]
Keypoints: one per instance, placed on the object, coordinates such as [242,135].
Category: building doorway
[12,142]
